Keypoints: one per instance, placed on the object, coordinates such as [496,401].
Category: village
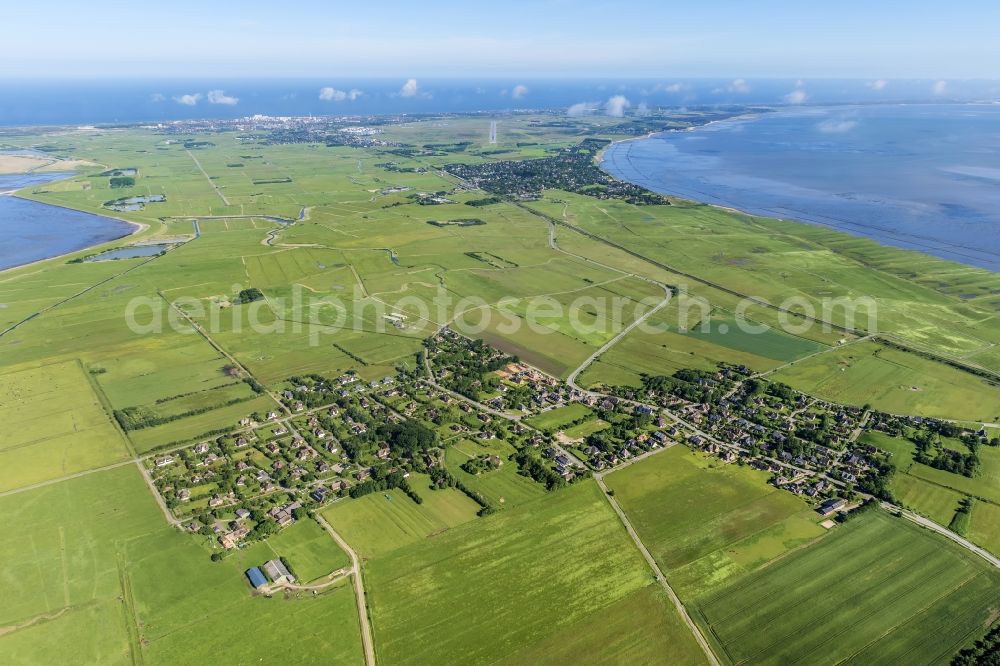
[345,437]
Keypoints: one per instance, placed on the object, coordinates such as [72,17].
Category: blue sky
[538,38]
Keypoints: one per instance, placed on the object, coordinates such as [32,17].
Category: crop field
[704,521]
[54,425]
[569,546]
[894,381]
[383,521]
[503,487]
[875,590]
[100,578]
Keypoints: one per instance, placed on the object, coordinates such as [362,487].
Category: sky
[875,39]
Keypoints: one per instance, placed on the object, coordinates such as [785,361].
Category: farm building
[278,572]
[831,505]
[256,578]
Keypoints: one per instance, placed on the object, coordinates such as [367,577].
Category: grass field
[94,575]
[485,590]
[54,424]
[381,522]
[99,577]
[894,381]
[557,418]
[309,550]
[503,487]
[704,521]
[936,493]
[877,590]
[984,526]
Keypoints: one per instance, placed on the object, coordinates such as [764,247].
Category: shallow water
[31,230]
[924,177]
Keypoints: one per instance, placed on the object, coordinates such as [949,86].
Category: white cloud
[409,89]
[333,95]
[837,126]
[796,97]
[939,87]
[615,106]
[188,100]
[157,97]
[519,91]
[642,109]
[219,97]
[582,109]
[739,85]
[675,88]
[877,84]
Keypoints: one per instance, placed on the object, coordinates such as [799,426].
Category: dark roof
[256,577]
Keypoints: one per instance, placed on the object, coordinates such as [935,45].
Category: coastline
[846,222]
[138,228]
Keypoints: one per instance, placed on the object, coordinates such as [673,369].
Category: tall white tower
[493,131]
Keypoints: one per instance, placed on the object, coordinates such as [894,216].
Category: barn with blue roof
[256,578]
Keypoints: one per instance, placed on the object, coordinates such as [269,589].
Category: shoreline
[138,228]
[934,249]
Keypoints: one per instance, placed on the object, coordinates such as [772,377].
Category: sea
[31,231]
[910,163]
[918,176]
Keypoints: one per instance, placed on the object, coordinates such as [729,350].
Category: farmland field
[381,522]
[94,574]
[894,381]
[103,579]
[936,493]
[875,590]
[482,589]
[705,521]
[54,425]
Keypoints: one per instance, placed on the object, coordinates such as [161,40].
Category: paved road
[571,380]
[359,592]
[931,525]
[156,494]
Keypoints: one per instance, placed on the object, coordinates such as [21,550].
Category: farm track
[660,578]
[208,178]
[359,591]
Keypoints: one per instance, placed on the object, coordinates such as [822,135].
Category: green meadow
[54,425]
[877,590]
[336,245]
[704,521]
[503,487]
[744,556]
[894,381]
[937,493]
[99,577]
[485,590]
[383,521]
